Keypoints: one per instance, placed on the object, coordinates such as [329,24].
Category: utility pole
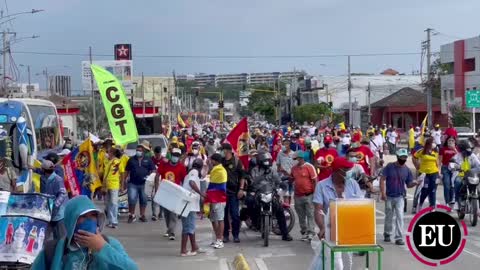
[93,92]
[429,79]
[368,102]
[4,52]
[143,98]
[350,107]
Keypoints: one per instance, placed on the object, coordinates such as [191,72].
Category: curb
[240,263]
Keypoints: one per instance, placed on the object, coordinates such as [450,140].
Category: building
[204,80]
[232,79]
[188,77]
[462,67]
[25,90]
[404,108]
[155,92]
[61,85]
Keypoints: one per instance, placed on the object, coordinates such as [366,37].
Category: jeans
[447,184]
[232,212]
[136,192]
[394,206]
[188,223]
[156,208]
[458,185]
[429,189]
[170,221]
[112,206]
[304,209]
[392,148]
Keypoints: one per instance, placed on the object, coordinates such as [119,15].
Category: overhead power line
[225,56]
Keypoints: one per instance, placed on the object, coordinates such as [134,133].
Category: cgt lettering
[117,110]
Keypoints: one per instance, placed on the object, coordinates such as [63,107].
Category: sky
[235,28]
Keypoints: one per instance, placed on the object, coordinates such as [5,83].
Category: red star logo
[122,51]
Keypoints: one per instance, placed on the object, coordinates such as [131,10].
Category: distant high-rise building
[61,85]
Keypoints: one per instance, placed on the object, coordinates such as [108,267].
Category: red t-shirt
[364,151]
[451,132]
[174,173]
[325,157]
[447,154]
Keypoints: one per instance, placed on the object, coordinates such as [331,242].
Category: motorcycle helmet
[466,147]
[264,160]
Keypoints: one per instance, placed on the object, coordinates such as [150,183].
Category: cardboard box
[352,222]
[176,199]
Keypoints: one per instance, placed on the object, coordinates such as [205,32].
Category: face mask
[467,153]
[327,145]
[253,161]
[284,148]
[139,154]
[401,161]
[349,174]
[89,225]
[222,153]
[266,163]
[353,159]
[174,159]
[195,151]
[47,171]
[68,146]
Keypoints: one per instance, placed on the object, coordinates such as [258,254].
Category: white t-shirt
[437,136]
[377,143]
[192,176]
[392,138]
[346,140]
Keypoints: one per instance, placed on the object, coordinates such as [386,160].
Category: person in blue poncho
[84,247]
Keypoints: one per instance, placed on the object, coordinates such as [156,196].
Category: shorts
[291,190]
[136,192]
[188,223]
[217,211]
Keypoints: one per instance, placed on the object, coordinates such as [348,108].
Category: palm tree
[85,118]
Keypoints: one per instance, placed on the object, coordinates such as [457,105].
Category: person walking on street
[192,184]
[84,246]
[217,198]
[392,141]
[411,138]
[324,158]
[392,187]
[159,160]
[437,137]
[304,178]
[447,152]
[428,163]
[173,171]
[339,186]
[235,191]
[285,163]
[52,184]
[137,170]
[112,175]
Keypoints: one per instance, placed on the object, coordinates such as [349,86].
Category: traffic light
[197,92]
[330,104]
[220,104]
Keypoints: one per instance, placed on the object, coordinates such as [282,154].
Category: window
[452,95]
[469,64]
[46,127]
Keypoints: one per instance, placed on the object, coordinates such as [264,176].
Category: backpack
[49,250]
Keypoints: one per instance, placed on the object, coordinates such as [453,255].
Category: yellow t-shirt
[123,162]
[113,172]
[428,163]
[102,156]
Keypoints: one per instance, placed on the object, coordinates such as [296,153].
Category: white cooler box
[176,199]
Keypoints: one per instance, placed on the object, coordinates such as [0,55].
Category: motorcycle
[468,201]
[266,199]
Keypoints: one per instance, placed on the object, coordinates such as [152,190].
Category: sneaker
[111,226]
[287,238]
[213,244]
[218,244]
[305,237]
[166,234]
[387,239]
[310,237]
[399,242]
[132,218]
[236,240]
[172,237]
[154,218]
[143,219]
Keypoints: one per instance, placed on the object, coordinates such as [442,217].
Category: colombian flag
[239,138]
[217,187]
[81,176]
[341,126]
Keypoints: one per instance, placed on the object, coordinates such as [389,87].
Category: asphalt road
[146,245]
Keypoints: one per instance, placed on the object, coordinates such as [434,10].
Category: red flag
[238,138]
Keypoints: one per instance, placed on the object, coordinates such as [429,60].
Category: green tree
[85,118]
[263,102]
[461,118]
[311,112]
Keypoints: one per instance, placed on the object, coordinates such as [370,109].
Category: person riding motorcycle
[464,161]
[261,176]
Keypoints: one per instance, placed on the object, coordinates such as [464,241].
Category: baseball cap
[216,157]
[226,146]
[298,154]
[341,163]
[328,139]
[402,152]
[47,165]
[437,125]
[176,152]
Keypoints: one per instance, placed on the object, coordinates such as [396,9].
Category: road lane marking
[270,255]
[380,212]
[472,253]
[261,265]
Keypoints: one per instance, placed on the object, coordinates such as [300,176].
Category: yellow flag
[180,121]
